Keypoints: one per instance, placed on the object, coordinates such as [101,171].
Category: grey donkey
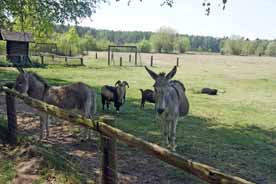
[171,103]
[78,97]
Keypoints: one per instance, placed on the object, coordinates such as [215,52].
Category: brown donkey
[77,96]
[171,103]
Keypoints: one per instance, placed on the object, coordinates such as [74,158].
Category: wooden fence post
[109,155]
[135,58]
[177,61]
[42,59]
[129,58]
[121,61]
[112,56]
[12,122]
[96,55]
[66,59]
[81,60]
[151,61]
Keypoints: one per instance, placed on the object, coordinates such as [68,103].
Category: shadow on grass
[245,151]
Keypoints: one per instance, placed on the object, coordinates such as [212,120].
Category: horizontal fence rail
[203,171]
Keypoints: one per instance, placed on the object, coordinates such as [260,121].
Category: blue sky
[249,18]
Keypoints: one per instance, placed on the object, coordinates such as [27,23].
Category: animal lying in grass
[209,91]
[115,94]
[147,95]
[77,96]
[171,103]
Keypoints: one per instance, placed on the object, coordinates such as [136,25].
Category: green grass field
[234,131]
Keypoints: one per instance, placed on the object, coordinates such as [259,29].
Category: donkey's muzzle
[160,111]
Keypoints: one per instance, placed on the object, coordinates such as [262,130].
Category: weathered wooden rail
[66,58]
[203,171]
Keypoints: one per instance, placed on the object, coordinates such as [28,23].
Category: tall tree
[45,12]
[164,39]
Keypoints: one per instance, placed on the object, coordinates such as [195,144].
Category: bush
[144,46]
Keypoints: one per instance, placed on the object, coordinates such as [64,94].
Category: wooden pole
[177,61]
[121,61]
[96,55]
[135,58]
[12,122]
[81,61]
[109,156]
[202,171]
[42,59]
[151,61]
[108,59]
[129,58]
[112,56]
[66,59]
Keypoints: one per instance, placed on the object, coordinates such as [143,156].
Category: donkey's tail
[141,90]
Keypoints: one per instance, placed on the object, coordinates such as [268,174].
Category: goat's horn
[125,82]
[118,82]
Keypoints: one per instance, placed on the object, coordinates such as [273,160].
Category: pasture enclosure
[233,131]
[111,54]
[109,175]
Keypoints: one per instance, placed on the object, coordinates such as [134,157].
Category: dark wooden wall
[17,53]
[17,48]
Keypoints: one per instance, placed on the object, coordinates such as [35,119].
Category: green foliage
[102,45]
[164,39]
[7,171]
[232,46]
[247,47]
[144,46]
[239,46]
[183,44]
[69,42]
[39,16]
[271,49]
[87,43]
[2,47]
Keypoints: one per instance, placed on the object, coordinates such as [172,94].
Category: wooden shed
[17,46]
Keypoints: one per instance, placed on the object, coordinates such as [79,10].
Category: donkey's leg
[173,134]
[87,114]
[165,128]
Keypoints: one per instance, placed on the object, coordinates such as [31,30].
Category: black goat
[115,94]
[147,95]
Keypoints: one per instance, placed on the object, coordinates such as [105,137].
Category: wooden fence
[47,59]
[103,126]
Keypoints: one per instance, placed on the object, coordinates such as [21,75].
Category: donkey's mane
[40,79]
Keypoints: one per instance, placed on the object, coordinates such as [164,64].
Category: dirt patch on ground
[134,166]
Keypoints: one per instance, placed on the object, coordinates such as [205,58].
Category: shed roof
[16,36]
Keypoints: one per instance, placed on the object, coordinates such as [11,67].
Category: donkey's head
[22,82]
[161,88]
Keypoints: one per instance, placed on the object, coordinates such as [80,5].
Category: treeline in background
[80,40]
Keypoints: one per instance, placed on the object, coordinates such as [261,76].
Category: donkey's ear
[171,74]
[152,73]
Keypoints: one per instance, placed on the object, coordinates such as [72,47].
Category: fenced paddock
[109,133]
[234,131]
